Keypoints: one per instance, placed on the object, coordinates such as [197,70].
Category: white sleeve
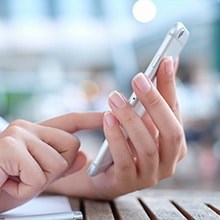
[3,124]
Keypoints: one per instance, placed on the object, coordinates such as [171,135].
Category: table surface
[153,204]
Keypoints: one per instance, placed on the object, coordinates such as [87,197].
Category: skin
[156,143]
[34,155]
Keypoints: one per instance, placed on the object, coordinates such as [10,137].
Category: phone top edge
[180,32]
[177,35]
[176,27]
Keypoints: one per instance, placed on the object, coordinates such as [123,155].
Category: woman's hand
[156,140]
[34,155]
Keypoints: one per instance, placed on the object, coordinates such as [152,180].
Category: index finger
[73,122]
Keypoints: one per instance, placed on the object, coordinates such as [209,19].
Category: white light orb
[144,10]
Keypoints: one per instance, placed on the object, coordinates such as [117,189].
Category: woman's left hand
[156,140]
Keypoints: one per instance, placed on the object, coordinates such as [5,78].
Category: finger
[176,64]
[31,176]
[78,163]
[61,142]
[49,140]
[54,150]
[150,125]
[171,136]
[123,159]
[166,85]
[144,144]
[73,122]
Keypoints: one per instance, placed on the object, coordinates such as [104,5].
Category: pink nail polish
[110,119]
[117,99]
[142,83]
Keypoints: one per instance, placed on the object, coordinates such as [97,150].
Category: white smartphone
[172,45]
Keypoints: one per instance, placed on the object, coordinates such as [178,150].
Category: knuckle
[169,172]
[154,101]
[153,182]
[8,147]
[9,141]
[72,143]
[176,138]
[19,123]
[150,182]
[41,180]
[63,166]
[56,169]
[75,140]
[175,106]
[16,128]
[129,117]
[10,144]
[150,152]
[13,130]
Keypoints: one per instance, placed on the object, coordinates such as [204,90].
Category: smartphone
[172,45]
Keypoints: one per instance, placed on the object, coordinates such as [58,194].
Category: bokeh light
[144,11]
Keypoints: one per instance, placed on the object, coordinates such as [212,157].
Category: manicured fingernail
[117,99]
[141,82]
[169,65]
[110,119]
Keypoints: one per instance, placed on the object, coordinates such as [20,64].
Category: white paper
[40,205]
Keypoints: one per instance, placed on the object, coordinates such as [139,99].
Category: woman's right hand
[34,155]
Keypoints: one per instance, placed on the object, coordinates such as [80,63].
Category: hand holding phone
[172,45]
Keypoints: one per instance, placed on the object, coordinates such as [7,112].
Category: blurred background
[59,56]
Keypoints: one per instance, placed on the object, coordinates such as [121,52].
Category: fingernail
[117,99]
[169,65]
[110,119]
[142,83]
